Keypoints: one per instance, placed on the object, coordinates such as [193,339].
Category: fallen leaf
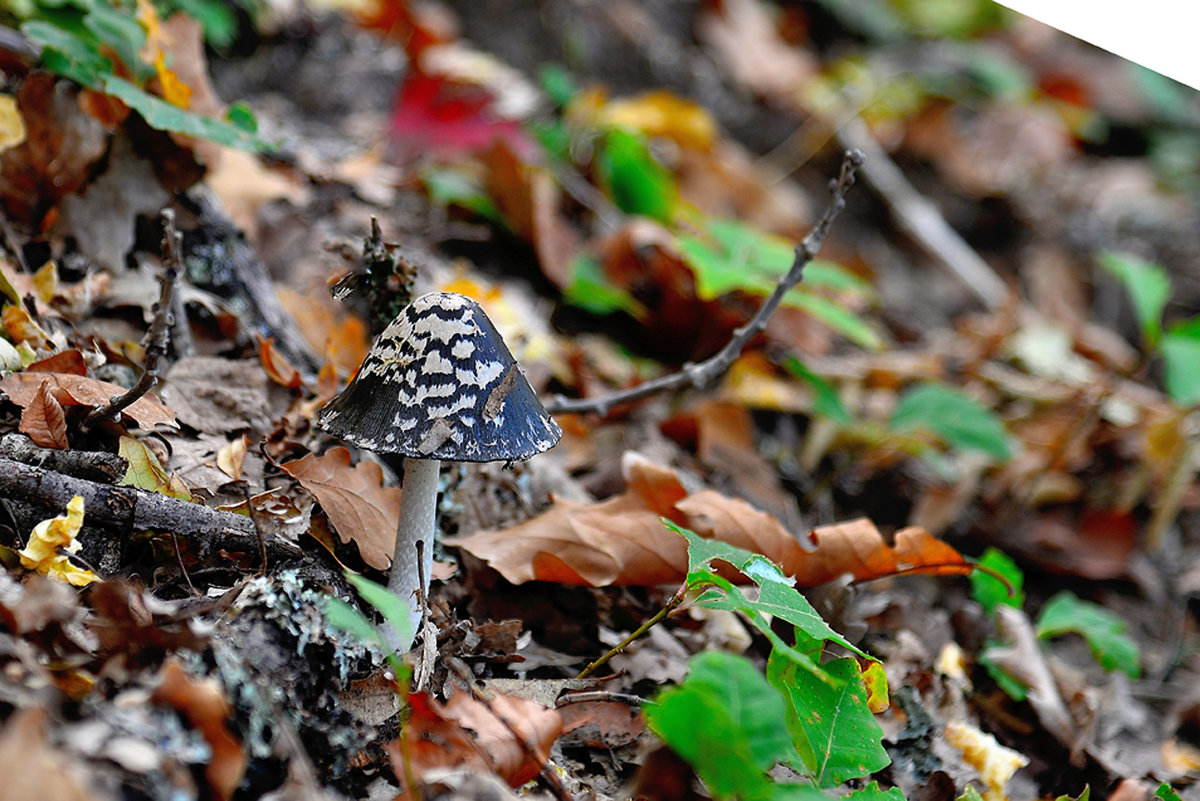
[995,763]
[465,732]
[44,420]
[622,540]
[147,472]
[231,457]
[202,703]
[277,367]
[22,328]
[33,769]
[67,361]
[51,542]
[77,390]
[362,510]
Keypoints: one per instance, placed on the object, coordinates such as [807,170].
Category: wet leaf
[361,509]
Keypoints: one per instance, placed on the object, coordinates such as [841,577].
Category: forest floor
[990,361]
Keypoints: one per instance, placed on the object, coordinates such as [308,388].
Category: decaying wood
[129,508]
[101,466]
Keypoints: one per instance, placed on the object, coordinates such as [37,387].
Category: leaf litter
[615,231]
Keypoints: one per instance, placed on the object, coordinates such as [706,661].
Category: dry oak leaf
[202,703]
[360,507]
[44,420]
[622,540]
[465,732]
[77,390]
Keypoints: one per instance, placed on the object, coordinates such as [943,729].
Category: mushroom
[439,385]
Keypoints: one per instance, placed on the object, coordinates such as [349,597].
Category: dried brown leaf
[44,420]
[202,702]
[468,733]
[623,541]
[33,769]
[77,390]
[360,507]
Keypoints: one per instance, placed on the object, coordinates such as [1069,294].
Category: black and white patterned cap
[441,384]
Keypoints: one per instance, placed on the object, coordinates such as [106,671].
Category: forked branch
[703,374]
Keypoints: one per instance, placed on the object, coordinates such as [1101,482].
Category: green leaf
[727,722]
[1104,631]
[1148,286]
[66,54]
[1084,796]
[837,317]
[121,32]
[954,416]
[1012,687]
[394,610]
[160,114]
[639,184]
[825,398]
[777,598]
[989,591]
[591,290]
[1166,793]
[731,256]
[450,187]
[873,792]
[1181,358]
[345,617]
[835,734]
[970,793]
[216,17]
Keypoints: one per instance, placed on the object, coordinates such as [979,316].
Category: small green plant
[733,724]
[1149,288]
[99,45]
[1104,632]
[345,617]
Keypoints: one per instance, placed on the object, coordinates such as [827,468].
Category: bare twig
[158,338]
[706,372]
[600,697]
[637,633]
[917,215]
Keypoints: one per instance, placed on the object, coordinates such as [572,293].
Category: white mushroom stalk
[439,385]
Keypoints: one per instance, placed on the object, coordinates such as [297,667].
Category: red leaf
[44,420]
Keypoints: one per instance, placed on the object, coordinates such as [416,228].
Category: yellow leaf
[174,91]
[45,281]
[49,536]
[146,472]
[995,763]
[23,329]
[662,114]
[12,127]
[230,457]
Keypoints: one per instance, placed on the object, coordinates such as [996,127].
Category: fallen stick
[705,373]
[129,508]
[920,218]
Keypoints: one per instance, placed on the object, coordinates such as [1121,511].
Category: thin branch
[638,633]
[158,337]
[703,375]
[600,697]
[917,215]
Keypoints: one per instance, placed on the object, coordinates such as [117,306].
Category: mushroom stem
[418,513]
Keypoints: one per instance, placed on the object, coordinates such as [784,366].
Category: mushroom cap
[441,384]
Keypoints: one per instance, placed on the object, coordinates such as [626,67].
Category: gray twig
[703,374]
[158,337]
